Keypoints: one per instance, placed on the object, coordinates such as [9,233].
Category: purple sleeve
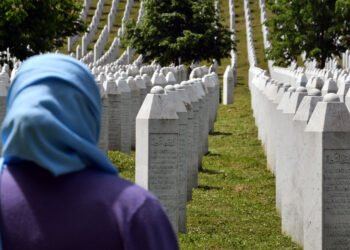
[150,228]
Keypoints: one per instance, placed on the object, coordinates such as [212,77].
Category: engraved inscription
[336,199]
[163,163]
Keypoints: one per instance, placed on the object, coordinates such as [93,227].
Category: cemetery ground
[234,204]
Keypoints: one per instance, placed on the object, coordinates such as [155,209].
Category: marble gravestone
[5,78]
[183,160]
[196,90]
[211,102]
[141,84]
[184,95]
[343,89]
[170,78]
[330,86]
[281,119]
[327,171]
[125,116]
[158,79]
[157,149]
[103,140]
[135,106]
[205,132]
[148,82]
[193,97]
[300,121]
[114,98]
[3,97]
[290,162]
[228,88]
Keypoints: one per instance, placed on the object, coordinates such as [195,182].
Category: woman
[57,190]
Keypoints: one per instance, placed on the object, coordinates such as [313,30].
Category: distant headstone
[103,140]
[114,99]
[228,88]
[141,84]
[135,106]
[148,82]
[330,86]
[196,125]
[125,116]
[170,78]
[184,95]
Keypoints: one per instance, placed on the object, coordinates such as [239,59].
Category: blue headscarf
[53,117]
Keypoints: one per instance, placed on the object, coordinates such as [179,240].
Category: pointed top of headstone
[157,90]
[122,85]
[228,72]
[110,86]
[331,97]
[140,82]
[307,106]
[169,88]
[157,105]
[170,78]
[314,92]
[301,80]
[330,86]
[329,116]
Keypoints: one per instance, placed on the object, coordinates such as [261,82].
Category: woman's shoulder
[123,193]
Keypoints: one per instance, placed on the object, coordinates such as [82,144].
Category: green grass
[234,205]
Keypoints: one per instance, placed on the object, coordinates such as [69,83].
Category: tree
[174,31]
[34,26]
[318,28]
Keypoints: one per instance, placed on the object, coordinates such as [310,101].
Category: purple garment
[83,210]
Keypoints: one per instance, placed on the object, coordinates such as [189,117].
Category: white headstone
[157,149]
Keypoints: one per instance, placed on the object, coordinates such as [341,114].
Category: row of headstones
[157,73]
[312,206]
[126,16]
[141,11]
[72,40]
[89,36]
[100,44]
[111,55]
[234,58]
[249,32]
[230,75]
[123,91]
[332,63]
[305,131]
[264,28]
[172,129]
[336,79]
[112,14]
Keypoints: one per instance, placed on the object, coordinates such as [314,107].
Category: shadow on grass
[207,171]
[208,187]
[220,133]
[212,154]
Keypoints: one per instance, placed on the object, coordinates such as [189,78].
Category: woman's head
[53,116]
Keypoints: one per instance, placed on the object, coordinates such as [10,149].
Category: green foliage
[320,28]
[29,27]
[179,29]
